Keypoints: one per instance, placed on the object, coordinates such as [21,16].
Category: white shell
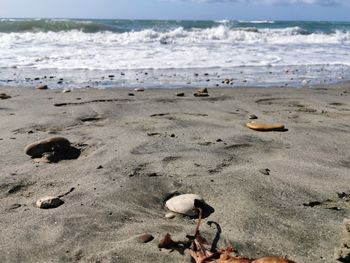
[183,204]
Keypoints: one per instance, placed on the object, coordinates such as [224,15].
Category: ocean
[171,54]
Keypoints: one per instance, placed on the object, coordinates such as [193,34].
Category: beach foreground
[133,151]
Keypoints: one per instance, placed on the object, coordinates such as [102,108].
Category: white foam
[177,48]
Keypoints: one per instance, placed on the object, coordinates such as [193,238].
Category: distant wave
[54,25]
[256,22]
[162,26]
[224,21]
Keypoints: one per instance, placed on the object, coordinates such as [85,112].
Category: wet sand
[135,150]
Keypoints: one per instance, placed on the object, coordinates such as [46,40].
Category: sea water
[166,54]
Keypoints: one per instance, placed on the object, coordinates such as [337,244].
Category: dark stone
[145,238]
[265,171]
[343,195]
[4,96]
[153,175]
[253,117]
[201,93]
[42,87]
[49,202]
[313,203]
[37,149]
[15,189]
[153,133]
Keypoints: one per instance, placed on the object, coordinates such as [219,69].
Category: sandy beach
[133,151]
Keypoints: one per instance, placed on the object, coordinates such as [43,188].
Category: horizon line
[176,19]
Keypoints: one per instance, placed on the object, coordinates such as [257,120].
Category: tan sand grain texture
[134,151]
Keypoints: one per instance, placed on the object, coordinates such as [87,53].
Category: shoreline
[135,150]
[243,76]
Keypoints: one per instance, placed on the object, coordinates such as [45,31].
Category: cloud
[276,2]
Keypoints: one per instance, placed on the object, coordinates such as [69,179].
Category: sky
[321,10]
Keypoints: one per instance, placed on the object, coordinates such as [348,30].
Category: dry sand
[136,150]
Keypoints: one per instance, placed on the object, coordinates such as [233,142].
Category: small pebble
[265,171]
[205,90]
[145,238]
[153,175]
[170,215]
[4,96]
[38,148]
[180,94]
[197,94]
[42,87]
[49,202]
[253,117]
[201,93]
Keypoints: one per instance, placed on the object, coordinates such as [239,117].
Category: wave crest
[179,35]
